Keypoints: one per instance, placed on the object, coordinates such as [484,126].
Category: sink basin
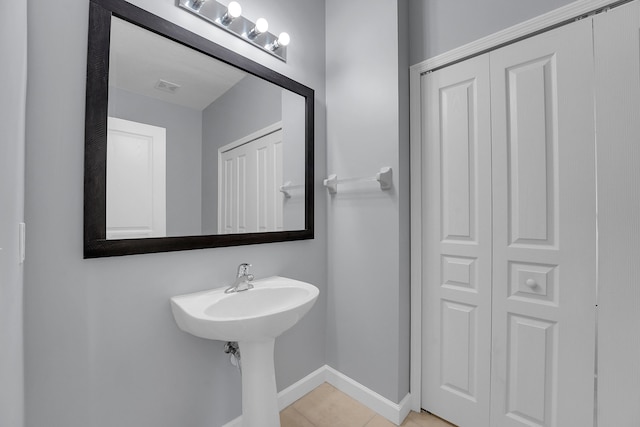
[274,305]
[253,318]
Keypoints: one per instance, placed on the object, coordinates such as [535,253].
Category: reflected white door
[544,228]
[457,243]
[249,177]
[136,180]
[509,235]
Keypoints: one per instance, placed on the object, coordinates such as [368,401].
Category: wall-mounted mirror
[189,145]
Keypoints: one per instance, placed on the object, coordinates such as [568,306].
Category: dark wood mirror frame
[95,241]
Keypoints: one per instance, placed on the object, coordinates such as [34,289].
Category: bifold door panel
[457,242]
[544,225]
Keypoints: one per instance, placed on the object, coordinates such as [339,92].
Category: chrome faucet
[242,280]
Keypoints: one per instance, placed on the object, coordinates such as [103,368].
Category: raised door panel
[459,326]
[263,185]
[270,200]
[617,57]
[233,192]
[458,189]
[457,241]
[532,144]
[544,230]
[531,363]
[241,196]
[225,223]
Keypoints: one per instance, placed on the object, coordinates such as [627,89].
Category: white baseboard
[298,389]
[394,412]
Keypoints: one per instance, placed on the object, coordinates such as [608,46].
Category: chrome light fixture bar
[230,19]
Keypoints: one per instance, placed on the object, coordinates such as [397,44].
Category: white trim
[415,148]
[394,412]
[295,391]
[557,16]
[251,137]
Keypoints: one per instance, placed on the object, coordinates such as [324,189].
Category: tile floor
[326,406]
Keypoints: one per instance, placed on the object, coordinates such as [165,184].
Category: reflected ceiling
[141,59]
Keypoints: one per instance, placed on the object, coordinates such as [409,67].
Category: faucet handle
[243,269]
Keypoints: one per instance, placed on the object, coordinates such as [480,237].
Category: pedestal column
[259,393]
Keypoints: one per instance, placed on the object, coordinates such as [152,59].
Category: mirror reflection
[196,146]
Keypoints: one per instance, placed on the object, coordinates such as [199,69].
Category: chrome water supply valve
[233,350]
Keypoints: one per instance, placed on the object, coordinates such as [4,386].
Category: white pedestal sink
[253,318]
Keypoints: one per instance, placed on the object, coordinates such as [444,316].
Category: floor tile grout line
[305,417]
[369,420]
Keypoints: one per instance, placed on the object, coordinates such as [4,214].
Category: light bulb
[262,25]
[284,39]
[234,9]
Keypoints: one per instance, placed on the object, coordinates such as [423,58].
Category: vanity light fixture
[231,19]
[234,10]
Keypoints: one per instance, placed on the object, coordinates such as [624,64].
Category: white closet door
[136,180]
[617,56]
[249,176]
[544,225]
[457,243]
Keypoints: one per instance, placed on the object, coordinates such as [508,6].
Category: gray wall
[13,50]
[102,348]
[293,133]
[184,154]
[438,26]
[367,127]
[368,308]
[260,104]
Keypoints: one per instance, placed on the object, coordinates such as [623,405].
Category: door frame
[251,137]
[530,28]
